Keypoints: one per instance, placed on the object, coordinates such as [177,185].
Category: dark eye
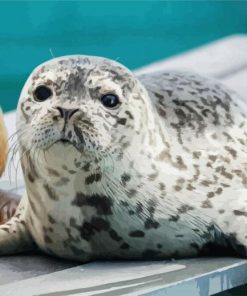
[110,100]
[42,93]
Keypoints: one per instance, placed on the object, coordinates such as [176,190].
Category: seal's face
[85,102]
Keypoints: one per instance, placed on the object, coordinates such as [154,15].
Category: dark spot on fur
[159,96]
[30,178]
[87,231]
[185,208]
[190,187]
[150,223]
[223,172]
[206,183]
[32,168]
[151,207]
[231,151]
[69,134]
[93,178]
[240,213]
[225,185]
[86,167]
[79,134]
[53,172]
[161,111]
[162,186]
[51,220]
[212,157]
[180,163]
[125,178]
[124,246]
[219,190]
[51,192]
[124,203]
[131,192]
[174,218]
[47,239]
[196,154]
[206,204]
[129,114]
[210,194]
[139,208]
[102,203]
[121,121]
[177,188]
[137,233]
[100,224]
[114,235]
[62,181]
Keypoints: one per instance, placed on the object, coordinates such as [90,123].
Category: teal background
[134,33]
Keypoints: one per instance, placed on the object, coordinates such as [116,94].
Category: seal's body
[122,167]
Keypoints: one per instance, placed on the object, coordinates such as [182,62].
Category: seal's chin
[63,142]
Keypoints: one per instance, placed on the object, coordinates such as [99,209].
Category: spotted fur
[164,175]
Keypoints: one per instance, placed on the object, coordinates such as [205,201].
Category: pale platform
[225,60]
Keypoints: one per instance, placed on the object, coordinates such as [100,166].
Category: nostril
[61,111]
[72,112]
[66,113]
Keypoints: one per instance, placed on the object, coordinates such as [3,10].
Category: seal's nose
[66,113]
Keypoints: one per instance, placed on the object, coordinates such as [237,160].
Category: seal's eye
[42,93]
[110,101]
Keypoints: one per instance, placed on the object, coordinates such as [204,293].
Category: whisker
[15,133]
[13,150]
[51,52]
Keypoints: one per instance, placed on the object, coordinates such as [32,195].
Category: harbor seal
[125,167]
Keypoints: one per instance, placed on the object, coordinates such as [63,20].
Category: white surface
[91,276]
[195,277]
[238,82]
[217,59]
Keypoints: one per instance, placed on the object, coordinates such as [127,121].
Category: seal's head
[91,103]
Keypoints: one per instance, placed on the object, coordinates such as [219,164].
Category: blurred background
[134,33]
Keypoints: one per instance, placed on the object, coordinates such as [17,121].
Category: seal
[125,167]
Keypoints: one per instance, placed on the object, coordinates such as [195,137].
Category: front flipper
[14,235]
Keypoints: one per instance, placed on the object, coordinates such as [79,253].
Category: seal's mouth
[64,141]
